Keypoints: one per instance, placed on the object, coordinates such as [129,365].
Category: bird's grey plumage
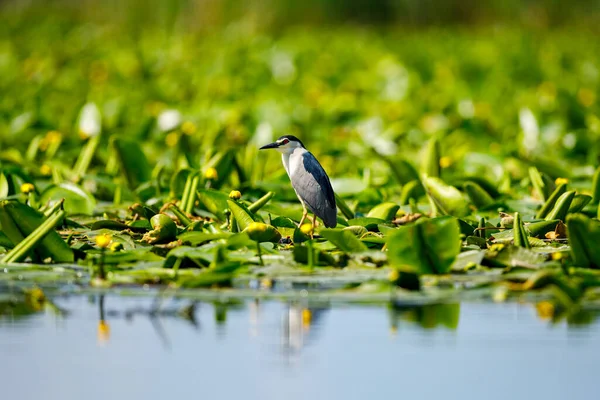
[313,187]
[309,180]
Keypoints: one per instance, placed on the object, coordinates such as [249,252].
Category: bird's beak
[273,145]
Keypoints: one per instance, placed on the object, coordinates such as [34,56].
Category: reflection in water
[260,349]
[297,322]
[300,321]
[427,316]
[103,328]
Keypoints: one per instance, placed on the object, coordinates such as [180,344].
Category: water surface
[156,349]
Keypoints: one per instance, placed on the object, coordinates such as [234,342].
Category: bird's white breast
[293,160]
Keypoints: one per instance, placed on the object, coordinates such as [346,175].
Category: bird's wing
[313,186]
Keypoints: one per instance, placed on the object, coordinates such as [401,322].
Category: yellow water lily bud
[103,241]
[445,161]
[586,97]
[235,195]
[188,127]
[45,170]
[211,174]
[27,188]
[172,139]
[306,229]
[560,181]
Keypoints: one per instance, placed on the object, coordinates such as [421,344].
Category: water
[277,350]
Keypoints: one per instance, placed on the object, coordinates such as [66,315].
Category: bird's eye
[285,141]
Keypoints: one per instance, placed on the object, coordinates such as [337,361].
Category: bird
[309,180]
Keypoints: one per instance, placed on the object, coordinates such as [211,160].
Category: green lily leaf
[197,238]
[584,236]
[77,200]
[384,211]
[243,217]
[427,247]
[447,199]
[132,160]
[344,240]
[214,201]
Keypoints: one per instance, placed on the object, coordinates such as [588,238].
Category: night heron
[309,180]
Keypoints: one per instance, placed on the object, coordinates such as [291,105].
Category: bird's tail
[330,218]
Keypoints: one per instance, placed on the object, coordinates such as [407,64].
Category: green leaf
[243,217]
[431,160]
[384,211]
[77,200]
[479,197]
[549,204]
[214,201]
[344,240]
[132,160]
[520,237]
[448,199]
[19,221]
[579,202]
[584,236]
[561,208]
[4,186]
[369,223]
[426,247]
[197,238]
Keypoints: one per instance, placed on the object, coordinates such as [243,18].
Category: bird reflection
[298,325]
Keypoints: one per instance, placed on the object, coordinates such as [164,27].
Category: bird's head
[285,144]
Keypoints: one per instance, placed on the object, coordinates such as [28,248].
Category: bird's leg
[314,224]
[304,215]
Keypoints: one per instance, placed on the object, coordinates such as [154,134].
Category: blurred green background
[364,84]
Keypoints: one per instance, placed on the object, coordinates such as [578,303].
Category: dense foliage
[429,137]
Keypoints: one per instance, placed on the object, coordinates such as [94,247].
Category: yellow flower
[560,181]
[52,137]
[211,174]
[45,170]
[103,241]
[557,256]
[445,162]
[393,275]
[235,195]
[306,229]
[172,139]
[27,188]
[586,97]
[188,127]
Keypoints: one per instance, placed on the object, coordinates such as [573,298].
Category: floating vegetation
[454,176]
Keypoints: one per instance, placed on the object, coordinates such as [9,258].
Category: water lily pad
[77,200]
[427,247]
